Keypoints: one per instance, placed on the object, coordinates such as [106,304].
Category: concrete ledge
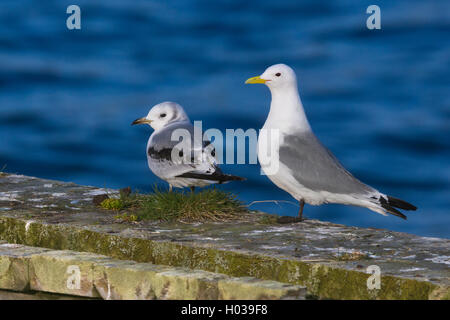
[330,260]
[31,295]
[90,275]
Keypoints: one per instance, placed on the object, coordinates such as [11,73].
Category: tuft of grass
[205,205]
[112,204]
[353,256]
[126,217]
[268,219]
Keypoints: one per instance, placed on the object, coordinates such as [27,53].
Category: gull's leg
[192,189]
[290,219]
[300,211]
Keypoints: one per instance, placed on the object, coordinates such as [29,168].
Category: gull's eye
[278,74]
[162,115]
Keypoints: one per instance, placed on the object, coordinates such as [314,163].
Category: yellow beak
[255,80]
[141,121]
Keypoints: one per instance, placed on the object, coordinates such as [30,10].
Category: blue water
[378,99]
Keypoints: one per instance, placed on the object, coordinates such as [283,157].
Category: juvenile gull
[181,160]
[307,170]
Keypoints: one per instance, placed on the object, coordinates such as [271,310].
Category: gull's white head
[277,76]
[162,114]
[286,109]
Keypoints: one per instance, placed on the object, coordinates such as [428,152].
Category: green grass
[205,205]
[2,173]
[268,219]
[353,256]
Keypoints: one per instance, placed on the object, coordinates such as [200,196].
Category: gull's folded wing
[168,157]
[315,167]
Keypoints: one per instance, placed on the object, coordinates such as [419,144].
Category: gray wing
[161,148]
[316,168]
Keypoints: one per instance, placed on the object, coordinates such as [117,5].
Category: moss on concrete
[91,275]
[329,259]
[321,280]
[125,217]
[13,274]
[112,204]
[268,219]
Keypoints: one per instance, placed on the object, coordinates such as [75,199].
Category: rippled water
[378,99]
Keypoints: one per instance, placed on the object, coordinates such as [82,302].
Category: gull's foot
[288,219]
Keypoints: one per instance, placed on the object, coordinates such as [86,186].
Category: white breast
[269,142]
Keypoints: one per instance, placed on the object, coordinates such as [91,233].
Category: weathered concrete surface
[329,259]
[12,295]
[14,261]
[96,276]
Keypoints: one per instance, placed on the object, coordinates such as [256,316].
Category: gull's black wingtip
[401,204]
[235,178]
[217,176]
[390,204]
